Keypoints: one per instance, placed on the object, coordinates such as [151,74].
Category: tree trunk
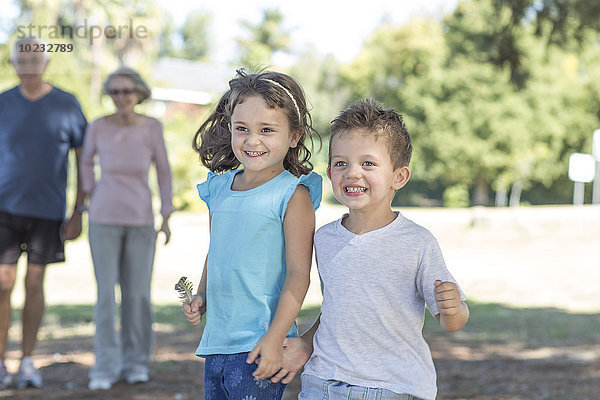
[480,194]
[501,197]
[515,193]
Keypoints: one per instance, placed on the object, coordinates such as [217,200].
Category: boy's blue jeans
[229,377]
[314,388]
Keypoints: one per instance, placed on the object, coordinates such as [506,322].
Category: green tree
[167,37]
[264,39]
[8,78]
[495,28]
[392,54]
[478,123]
[555,110]
[326,96]
[195,35]
[83,70]
[104,36]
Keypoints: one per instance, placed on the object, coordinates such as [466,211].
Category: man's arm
[73,227]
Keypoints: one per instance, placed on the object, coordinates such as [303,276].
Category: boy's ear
[329,172]
[401,178]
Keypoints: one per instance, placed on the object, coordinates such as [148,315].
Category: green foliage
[529,328]
[194,32]
[477,120]
[186,169]
[265,38]
[166,37]
[391,55]
[525,327]
[496,96]
[320,78]
[7,73]
[456,196]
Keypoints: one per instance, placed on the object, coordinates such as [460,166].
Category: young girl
[261,225]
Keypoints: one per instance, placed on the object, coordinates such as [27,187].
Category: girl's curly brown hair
[213,139]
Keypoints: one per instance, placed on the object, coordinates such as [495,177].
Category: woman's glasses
[125,92]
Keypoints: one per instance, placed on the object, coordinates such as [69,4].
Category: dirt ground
[535,267]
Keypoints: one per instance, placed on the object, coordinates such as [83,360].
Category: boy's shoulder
[327,229]
[401,229]
[415,229]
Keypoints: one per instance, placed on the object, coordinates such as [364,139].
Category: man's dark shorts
[42,239]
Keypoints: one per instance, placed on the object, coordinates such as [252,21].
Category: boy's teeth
[355,189]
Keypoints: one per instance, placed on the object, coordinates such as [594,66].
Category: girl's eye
[266,130]
[339,164]
[240,129]
[368,164]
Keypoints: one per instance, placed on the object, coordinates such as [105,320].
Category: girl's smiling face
[260,137]
[362,174]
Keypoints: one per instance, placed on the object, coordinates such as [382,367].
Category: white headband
[288,93]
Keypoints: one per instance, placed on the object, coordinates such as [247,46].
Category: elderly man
[39,125]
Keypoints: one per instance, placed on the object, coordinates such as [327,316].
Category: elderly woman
[121,222]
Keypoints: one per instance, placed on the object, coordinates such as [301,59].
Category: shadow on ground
[503,353]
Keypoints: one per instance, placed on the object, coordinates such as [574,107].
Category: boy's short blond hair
[372,118]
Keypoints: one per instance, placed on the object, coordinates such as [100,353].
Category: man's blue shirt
[35,139]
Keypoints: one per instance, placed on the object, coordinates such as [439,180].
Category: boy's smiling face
[362,174]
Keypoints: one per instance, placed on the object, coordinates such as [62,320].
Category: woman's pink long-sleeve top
[121,196]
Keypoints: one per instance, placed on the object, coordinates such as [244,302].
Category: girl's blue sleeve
[204,188]
[314,184]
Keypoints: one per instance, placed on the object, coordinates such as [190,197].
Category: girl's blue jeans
[229,377]
[314,388]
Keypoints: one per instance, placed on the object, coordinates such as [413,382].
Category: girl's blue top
[246,258]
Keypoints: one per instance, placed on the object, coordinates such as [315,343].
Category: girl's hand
[268,354]
[195,310]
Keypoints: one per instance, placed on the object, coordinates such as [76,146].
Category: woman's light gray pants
[123,255]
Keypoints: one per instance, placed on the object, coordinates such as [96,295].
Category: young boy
[378,271]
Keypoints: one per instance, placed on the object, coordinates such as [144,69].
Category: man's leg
[33,310]
[31,318]
[7,282]
[8,275]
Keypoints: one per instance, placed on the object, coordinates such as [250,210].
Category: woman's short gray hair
[142,89]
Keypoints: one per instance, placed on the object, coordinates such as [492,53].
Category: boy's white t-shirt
[375,287]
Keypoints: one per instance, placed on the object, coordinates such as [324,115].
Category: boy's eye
[368,164]
[266,130]
[339,164]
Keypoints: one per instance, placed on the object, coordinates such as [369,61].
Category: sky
[332,26]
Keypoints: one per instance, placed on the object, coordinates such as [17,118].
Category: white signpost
[582,168]
[596,154]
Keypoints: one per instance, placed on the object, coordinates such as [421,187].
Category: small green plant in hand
[184,287]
